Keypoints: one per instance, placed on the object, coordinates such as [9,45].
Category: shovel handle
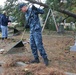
[22,35]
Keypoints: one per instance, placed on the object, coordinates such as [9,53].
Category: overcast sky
[2,1]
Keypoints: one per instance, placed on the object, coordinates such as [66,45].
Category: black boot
[35,61]
[5,37]
[2,38]
[46,61]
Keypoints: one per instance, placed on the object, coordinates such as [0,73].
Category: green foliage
[11,6]
[55,5]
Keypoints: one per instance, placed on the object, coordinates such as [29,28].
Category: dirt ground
[56,45]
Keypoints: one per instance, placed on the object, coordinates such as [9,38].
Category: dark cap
[21,5]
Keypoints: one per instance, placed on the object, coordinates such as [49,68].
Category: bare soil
[57,47]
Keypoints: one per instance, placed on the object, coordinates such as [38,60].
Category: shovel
[19,44]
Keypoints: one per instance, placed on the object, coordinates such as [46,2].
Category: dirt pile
[40,69]
[33,69]
[10,67]
[10,60]
[14,71]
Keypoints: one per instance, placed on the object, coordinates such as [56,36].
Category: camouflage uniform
[35,32]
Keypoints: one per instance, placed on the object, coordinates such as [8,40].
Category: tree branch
[67,13]
[31,1]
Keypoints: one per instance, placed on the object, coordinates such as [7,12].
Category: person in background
[4,25]
[32,18]
[0,21]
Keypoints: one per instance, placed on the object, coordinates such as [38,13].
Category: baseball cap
[21,5]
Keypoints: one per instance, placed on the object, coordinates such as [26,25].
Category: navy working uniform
[31,16]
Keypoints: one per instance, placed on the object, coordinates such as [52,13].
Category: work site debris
[10,67]
[13,59]
[40,69]
[1,51]
[33,69]
[14,71]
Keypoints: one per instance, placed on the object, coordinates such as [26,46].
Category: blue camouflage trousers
[36,44]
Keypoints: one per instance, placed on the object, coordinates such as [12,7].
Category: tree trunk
[70,14]
[32,1]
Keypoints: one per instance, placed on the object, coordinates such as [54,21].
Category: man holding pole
[31,15]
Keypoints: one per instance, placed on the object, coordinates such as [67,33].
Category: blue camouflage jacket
[34,22]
